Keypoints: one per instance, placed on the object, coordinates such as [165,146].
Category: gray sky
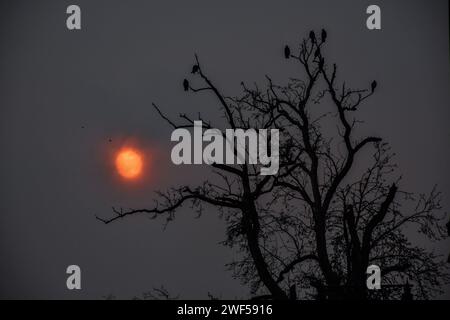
[55,175]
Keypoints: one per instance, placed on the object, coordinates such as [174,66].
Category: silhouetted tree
[334,207]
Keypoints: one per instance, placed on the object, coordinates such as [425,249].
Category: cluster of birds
[287,55]
[312,37]
[195,69]
[323,37]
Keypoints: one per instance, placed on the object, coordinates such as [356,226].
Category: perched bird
[324,35]
[287,52]
[186,85]
[312,36]
[195,68]
[373,85]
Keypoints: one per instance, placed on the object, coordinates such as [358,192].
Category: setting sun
[129,163]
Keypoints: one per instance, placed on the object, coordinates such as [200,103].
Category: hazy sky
[56,175]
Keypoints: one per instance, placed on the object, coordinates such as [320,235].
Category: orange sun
[129,163]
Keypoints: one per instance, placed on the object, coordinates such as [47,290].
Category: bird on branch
[287,52]
[186,85]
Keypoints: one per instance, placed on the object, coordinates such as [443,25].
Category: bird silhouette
[312,36]
[324,35]
[195,68]
[287,52]
[373,85]
[186,85]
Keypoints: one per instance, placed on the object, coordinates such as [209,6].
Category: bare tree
[334,207]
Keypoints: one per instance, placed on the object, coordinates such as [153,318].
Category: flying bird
[324,35]
[186,85]
[287,52]
[195,68]
[312,36]
[373,85]
[448,228]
